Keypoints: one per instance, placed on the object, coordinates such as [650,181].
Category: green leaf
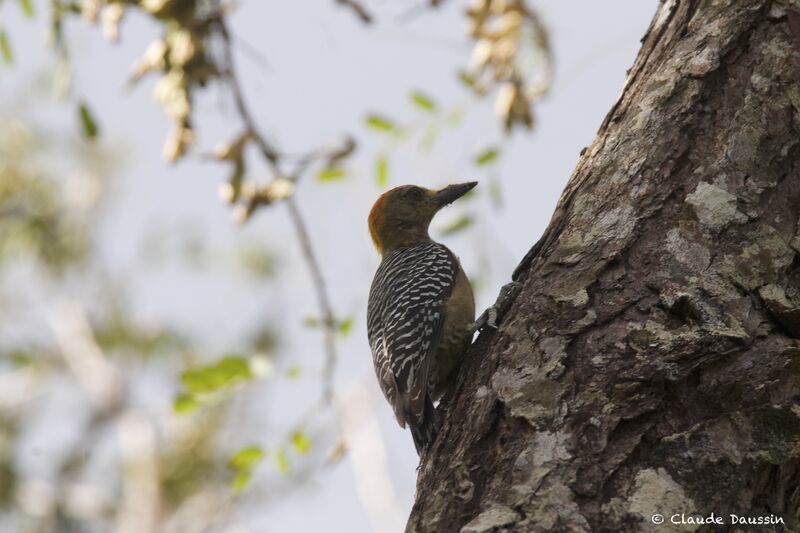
[185,403]
[246,458]
[457,225]
[382,171]
[423,101]
[311,322]
[380,123]
[294,372]
[282,462]
[455,117]
[234,367]
[429,137]
[495,193]
[207,379]
[62,78]
[5,48]
[27,8]
[20,358]
[257,262]
[88,123]
[301,442]
[241,480]
[346,326]
[330,174]
[199,381]
[487,156]
[466,78]
[243,462]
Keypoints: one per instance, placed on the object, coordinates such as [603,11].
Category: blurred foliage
[460,223]
[51,193]
[27,7]
[487,156]
[382,171]
[282,461]
[117,334]
[257,261]
[40,216]
[301,442]
[8,474]
[330,174]
[243,463]
[424,129]
[88,123]
[342,326]
[423,101]
[187,464]
[5,48]
[512,54]
[246,458]
[380,123]
[193,51]
[49,215]
[180,57]
[210,380]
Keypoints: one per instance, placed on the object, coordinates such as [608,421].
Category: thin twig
[255,56]
[415,11]
[267,150]
[272,158]
[328,320]
[360,11]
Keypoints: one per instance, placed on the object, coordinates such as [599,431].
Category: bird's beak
[451,193]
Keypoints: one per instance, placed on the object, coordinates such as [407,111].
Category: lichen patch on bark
[715,207]
[655,492]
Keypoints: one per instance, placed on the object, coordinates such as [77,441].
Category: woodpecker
[420,306]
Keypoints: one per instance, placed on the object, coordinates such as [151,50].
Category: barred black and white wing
[405,318]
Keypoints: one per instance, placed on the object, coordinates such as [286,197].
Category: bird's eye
[416,193]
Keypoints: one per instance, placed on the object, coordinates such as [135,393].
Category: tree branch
[359,10]
[273,158]
[328,319]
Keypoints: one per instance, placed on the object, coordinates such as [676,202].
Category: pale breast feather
[405,314]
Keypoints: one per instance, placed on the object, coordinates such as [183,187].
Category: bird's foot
[495,312]
[422,456]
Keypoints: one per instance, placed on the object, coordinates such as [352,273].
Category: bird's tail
[424,433]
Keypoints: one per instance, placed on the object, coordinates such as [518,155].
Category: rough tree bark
[651,362]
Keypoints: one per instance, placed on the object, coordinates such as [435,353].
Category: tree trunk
[651,362]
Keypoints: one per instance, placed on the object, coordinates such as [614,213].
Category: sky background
[321,72]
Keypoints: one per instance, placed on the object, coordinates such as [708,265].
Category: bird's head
[401,216]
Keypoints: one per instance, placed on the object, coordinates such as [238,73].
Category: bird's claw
[491,315]
[487,318]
